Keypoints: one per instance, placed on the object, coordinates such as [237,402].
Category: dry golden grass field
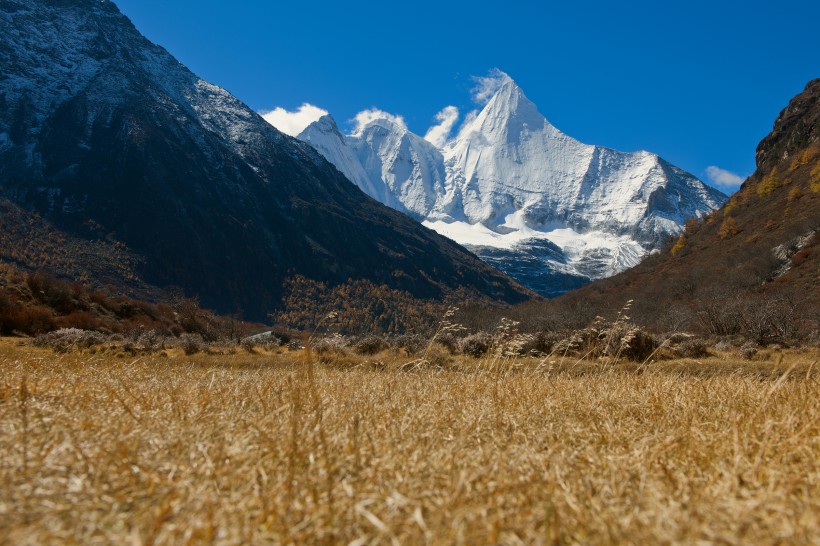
[283,449]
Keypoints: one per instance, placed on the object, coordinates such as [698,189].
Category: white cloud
[486,86]
[366,116]
[723,178]
[465,125]
[293,123]
[437,135]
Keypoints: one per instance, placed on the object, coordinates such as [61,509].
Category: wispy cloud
[465,125]
[293,123]
[486,86]
[366,116]
[723,178]
[438,134]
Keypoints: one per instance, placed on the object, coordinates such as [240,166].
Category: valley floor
[280,447]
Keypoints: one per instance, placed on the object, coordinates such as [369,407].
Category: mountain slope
[753,266]
[107,136]
[510,183]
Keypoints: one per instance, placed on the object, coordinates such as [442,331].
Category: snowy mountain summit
[545,208]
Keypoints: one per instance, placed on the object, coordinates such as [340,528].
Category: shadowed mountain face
[752,266]
[107,136]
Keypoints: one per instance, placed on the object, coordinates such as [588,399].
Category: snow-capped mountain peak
[507,114]
[510,179]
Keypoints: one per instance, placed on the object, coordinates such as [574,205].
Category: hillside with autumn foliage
[752,267]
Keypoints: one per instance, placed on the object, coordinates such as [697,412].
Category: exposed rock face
[796,128]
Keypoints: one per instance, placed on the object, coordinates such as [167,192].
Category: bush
[413,344]
[370,345]
[150,340]
[435,356]
[476,345]
[334,343]
[636,344]
[748,351]
[82,320]
[266,340]
[68,339]
[248,344]
[9,309]
[542,343]
[33,320]
[692,348]
[191,343]
[618,339]
[449,341]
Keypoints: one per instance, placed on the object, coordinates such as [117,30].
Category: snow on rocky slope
[106,136]
[510,183]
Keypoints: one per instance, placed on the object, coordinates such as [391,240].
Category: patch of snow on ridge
[593,254]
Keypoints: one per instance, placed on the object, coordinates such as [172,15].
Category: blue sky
[698,82]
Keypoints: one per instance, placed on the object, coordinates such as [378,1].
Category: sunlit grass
[253,448]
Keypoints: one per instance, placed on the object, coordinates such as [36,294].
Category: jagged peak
[325,124]
[510,99]
[506,114]
[387,122]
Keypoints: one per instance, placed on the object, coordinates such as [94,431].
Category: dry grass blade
[283,449]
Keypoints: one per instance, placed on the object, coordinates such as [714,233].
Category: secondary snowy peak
[324,135]
[383,158]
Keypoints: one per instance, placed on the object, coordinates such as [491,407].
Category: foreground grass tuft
[277,447]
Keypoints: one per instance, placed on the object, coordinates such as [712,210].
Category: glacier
[548,210]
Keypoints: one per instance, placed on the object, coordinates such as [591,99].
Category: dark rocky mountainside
[751,267]
[109,139]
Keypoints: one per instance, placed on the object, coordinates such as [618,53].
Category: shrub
[266,340]
[67,339]
[728,228]
[435,356]
[191,343]
[679,244]
[370,345]
[634,343]
[617,339]
[80,319]
[748,351]
[475,345]
[334,343]
[9,310]
[449,341]
[769,183]
[248,344]
[52,292]
[815,179]
[541,343]
[692,348]
[34,320]
[151,340]
[413,344]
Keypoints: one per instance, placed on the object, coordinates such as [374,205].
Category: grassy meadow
[290,447]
